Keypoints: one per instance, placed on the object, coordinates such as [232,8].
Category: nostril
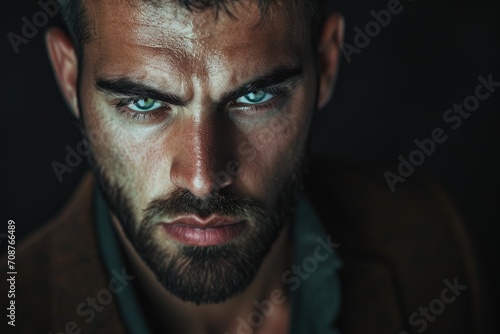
[221,179]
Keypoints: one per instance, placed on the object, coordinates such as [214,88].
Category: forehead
[140,35]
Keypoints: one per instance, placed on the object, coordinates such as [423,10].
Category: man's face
[198,126]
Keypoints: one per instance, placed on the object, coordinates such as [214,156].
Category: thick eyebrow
[128,87]
[279,76]
[125,86]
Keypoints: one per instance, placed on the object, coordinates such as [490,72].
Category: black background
[391,93]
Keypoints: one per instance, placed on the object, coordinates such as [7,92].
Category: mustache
[224,202]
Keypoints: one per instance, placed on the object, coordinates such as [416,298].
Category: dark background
[391,93]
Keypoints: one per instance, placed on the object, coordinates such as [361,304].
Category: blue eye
[144,105]
[255,97]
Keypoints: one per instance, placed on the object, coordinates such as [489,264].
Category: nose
[202,153]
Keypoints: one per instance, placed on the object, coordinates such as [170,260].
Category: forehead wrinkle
[193,24]
[215,56]
[161,59]
[139,23]
[160,25]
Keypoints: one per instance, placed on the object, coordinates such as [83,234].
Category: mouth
[216,230]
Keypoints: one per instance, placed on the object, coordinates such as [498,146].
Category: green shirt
[313,280]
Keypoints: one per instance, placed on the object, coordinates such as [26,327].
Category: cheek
[134,160]
[269,154]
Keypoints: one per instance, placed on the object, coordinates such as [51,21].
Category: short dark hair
[77,20]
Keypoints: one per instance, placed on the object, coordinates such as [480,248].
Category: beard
[204,274]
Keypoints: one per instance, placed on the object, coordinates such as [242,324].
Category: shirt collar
[111,254]
[315,283]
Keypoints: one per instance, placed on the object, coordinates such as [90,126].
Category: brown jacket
[404,253]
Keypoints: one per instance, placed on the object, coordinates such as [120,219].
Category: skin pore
[200,75]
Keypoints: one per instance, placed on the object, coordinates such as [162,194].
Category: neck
[266,295]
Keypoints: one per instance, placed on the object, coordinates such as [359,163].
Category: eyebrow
[279,76]
[125,86]
[129,87]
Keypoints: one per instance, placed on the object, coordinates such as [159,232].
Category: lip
[195,231]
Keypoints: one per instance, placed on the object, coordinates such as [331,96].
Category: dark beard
[205,274]
[211,274]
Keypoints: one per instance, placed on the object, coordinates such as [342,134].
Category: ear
[64,63]
[329,56]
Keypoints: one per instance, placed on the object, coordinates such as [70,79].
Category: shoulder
[401,248]
[62,238]
[58,268]
[359,193]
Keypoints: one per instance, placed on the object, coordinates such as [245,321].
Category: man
[197,219]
